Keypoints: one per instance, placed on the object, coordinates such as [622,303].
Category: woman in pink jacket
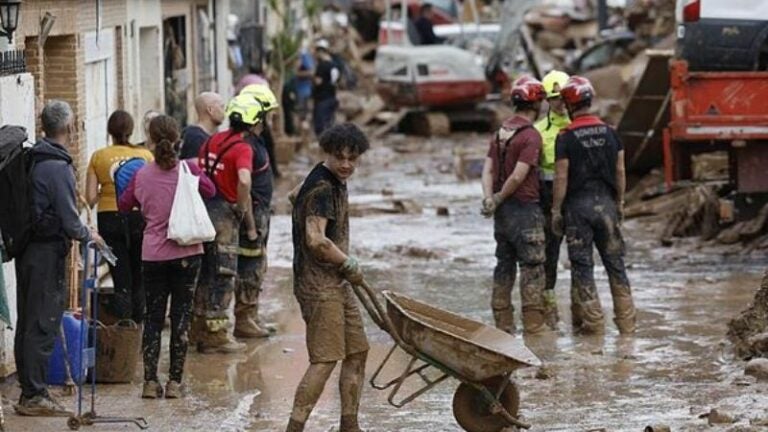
[169,269]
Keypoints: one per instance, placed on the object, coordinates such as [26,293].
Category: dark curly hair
[344,136]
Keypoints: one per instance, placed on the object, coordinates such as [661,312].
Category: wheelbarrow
[481,357]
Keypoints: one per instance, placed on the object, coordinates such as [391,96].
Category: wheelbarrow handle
[378,314]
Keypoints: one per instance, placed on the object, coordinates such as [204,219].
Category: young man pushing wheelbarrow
[323,271]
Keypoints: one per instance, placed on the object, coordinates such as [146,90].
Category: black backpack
[17,215]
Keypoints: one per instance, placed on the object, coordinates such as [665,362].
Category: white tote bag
[189,223]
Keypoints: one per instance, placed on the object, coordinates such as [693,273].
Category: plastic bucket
[57,369]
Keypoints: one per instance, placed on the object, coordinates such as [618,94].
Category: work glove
[557,223]
[352,272]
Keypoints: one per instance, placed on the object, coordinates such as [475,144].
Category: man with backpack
[227,159]
[41,263]
[511,196]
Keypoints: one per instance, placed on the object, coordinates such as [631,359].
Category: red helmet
[527,90]
[577,91]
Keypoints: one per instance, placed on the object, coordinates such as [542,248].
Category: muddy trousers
[351,381]
[251,267]
[519,234]
[41,293]
[592,218]
[124,233]
[218,271]
[175,279]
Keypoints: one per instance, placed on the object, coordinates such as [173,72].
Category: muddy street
[677,367]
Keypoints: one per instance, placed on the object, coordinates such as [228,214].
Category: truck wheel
[472,411]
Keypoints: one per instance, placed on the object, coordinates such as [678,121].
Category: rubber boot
[269,327]
[247,328]
[625,315]
[593,319]
[349,424]
[294,426]
[505,319]
[219,342]
[551,315]
[196,327]
[533,321]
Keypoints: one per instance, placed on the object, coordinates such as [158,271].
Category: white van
[723,34]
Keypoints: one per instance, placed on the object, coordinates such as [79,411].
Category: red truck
[720,111]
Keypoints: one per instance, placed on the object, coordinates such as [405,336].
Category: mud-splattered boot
[533,321]
[551,315]
[219,342]
[294,426]
[505,319]
[625,315]
[349,423]
[247,328]
[593,321]
[196,329]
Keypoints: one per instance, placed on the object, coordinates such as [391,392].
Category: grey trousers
[41,292]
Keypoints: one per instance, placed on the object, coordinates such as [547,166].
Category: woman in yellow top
[122,232]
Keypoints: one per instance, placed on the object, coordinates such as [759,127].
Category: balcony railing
[12,62]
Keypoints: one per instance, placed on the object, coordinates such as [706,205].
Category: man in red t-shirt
[511,196]
[227,160]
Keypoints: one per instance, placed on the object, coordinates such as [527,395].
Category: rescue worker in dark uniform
[252,255]
[589,194]
[511,195]
[549,127]
[227,159]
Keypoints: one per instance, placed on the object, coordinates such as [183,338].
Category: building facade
[103,55]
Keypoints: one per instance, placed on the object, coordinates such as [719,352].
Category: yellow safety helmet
[263,94]
[246,109]
[553,82]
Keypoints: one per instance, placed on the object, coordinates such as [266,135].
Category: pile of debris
[696,209]
[749,334]
[566,35]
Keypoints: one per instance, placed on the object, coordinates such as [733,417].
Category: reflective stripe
[248,252]
[546,176]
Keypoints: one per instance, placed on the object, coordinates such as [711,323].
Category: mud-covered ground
[676,368]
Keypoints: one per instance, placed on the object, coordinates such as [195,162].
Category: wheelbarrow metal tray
[473,350]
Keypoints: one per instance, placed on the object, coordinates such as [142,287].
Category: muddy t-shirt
[322,195]
[592,148]
[516,141]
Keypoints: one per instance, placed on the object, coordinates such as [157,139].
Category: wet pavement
[677,367]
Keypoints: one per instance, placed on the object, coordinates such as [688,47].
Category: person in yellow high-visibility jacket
[549,127]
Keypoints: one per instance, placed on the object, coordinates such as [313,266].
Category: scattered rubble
[715,417]
[757,368]
[544,373]
[747,331]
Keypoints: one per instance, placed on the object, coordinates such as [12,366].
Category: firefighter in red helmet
[588,207]
[511,196]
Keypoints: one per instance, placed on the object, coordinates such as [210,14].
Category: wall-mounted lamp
[9,17]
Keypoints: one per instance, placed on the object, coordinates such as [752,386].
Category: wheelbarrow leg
[376,374]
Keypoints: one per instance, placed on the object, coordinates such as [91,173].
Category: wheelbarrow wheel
[472,411]
[74,423]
